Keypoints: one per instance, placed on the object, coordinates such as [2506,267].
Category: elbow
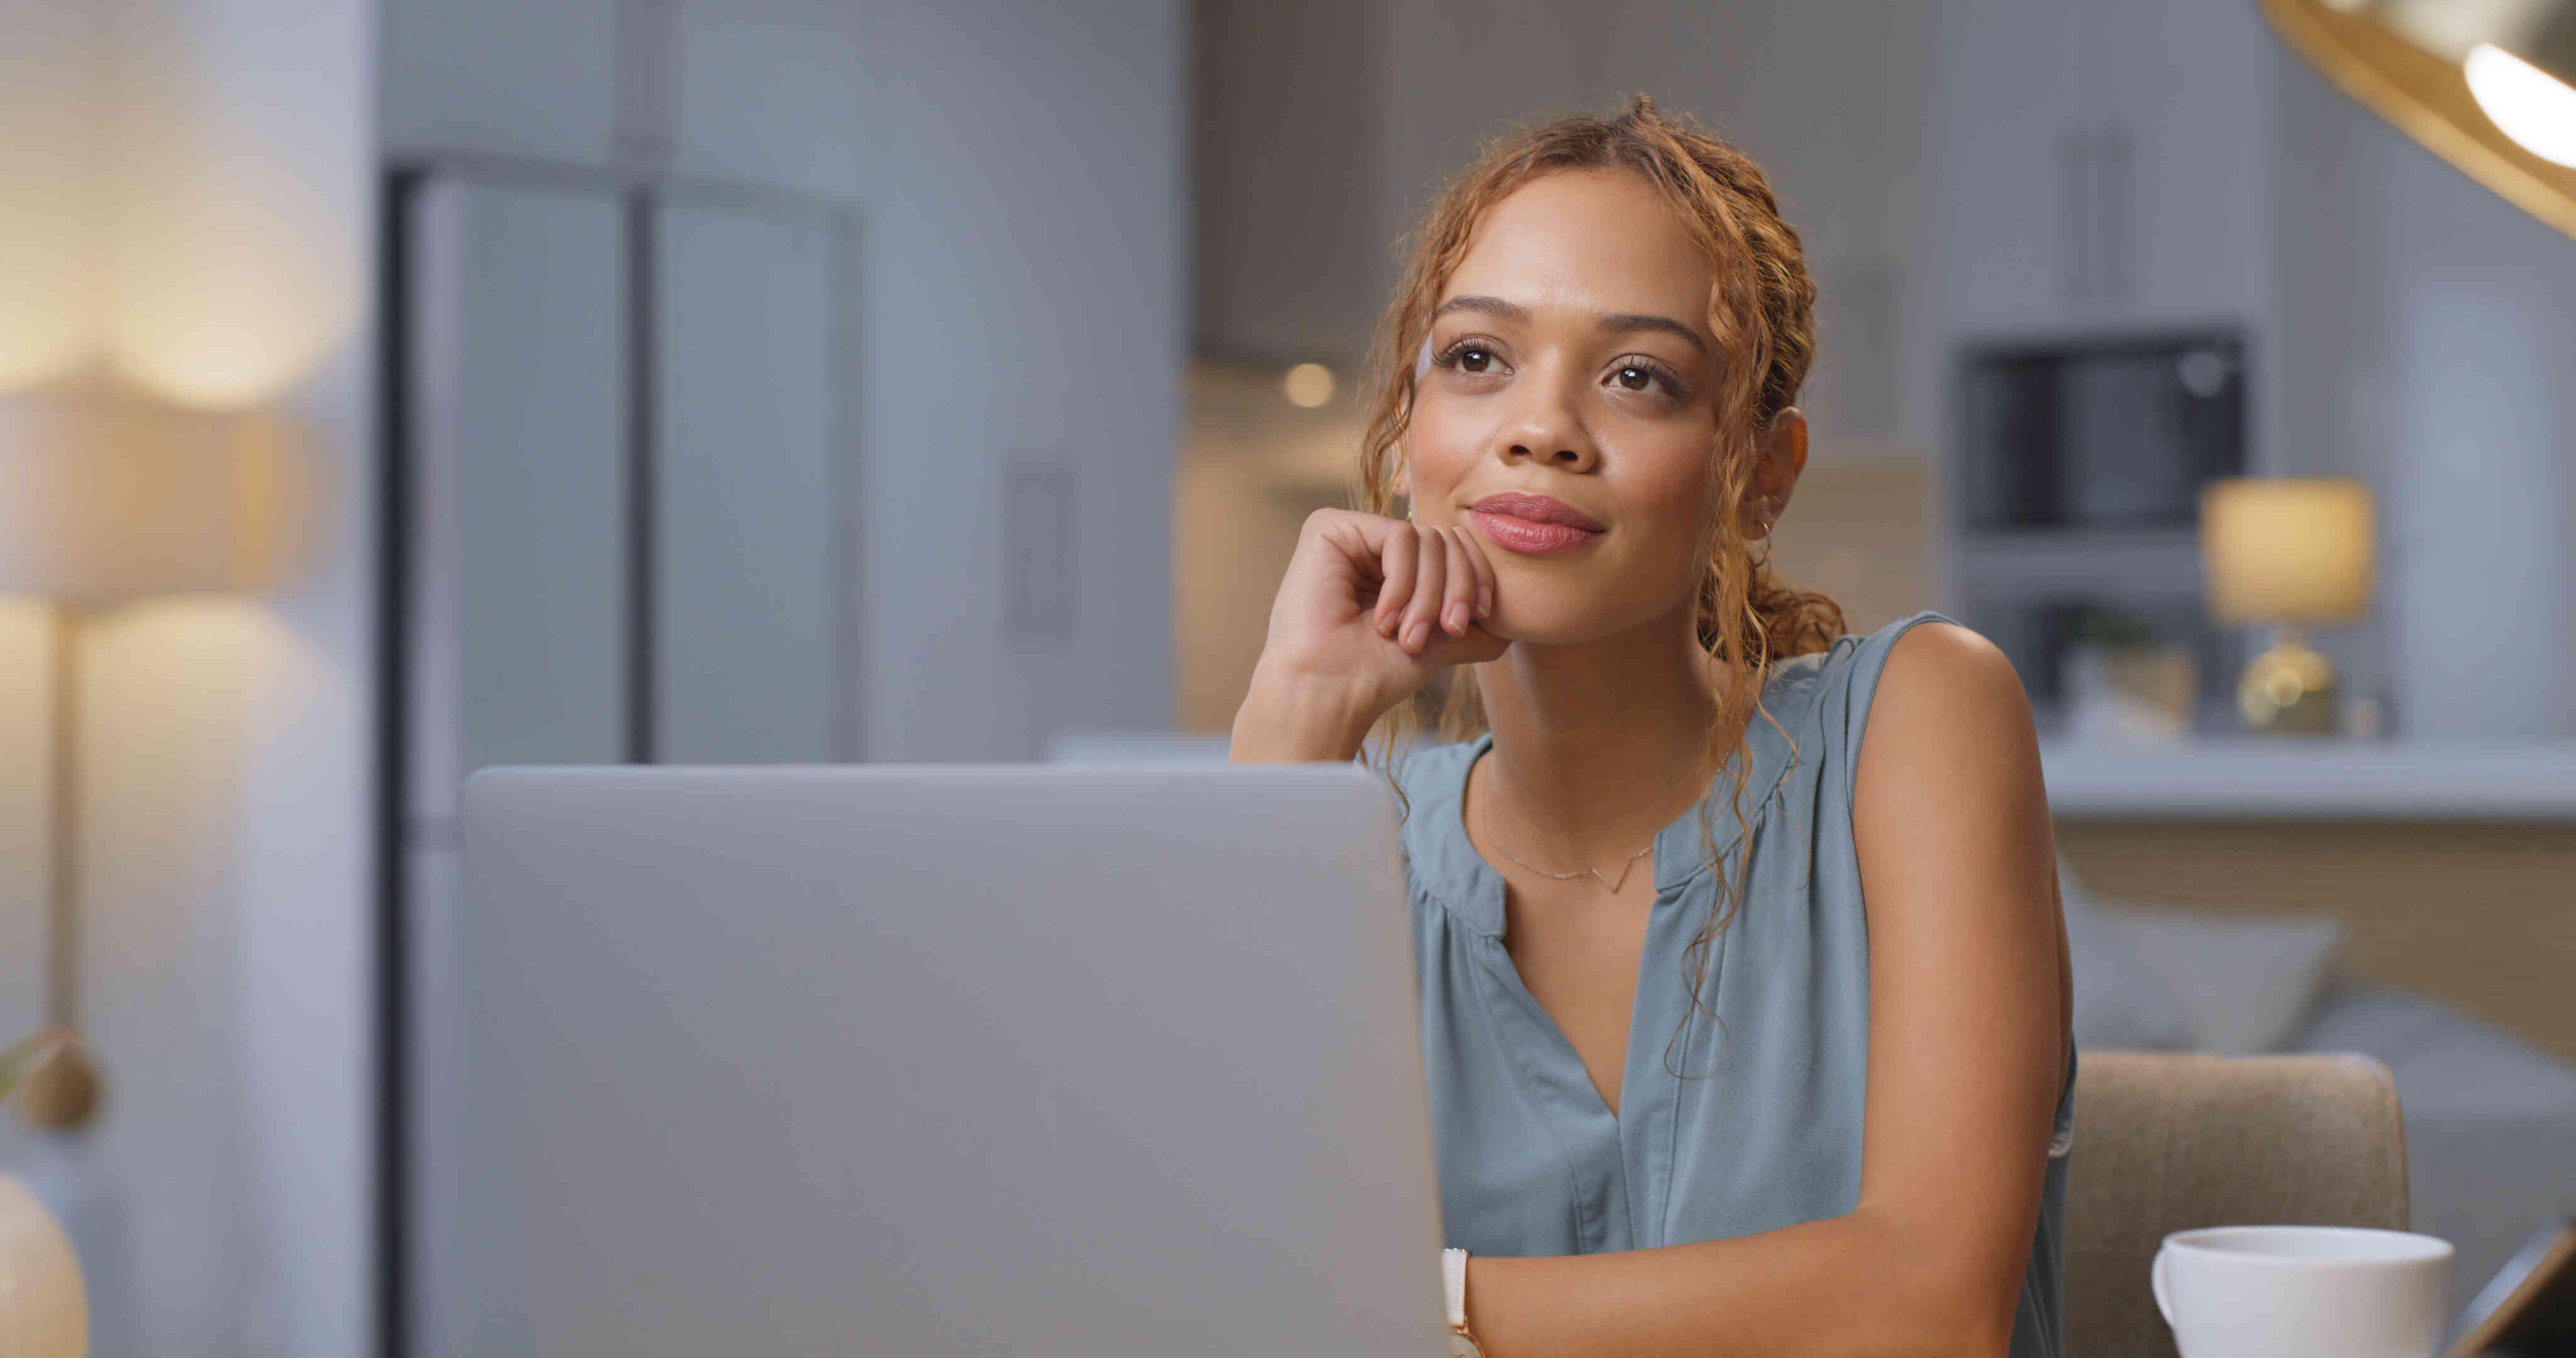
[1925,1325]
[1940,1302]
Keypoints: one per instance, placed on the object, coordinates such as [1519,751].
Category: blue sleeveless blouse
[1729,1126]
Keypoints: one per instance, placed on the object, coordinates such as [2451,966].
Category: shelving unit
[2106,168]
[2075,479]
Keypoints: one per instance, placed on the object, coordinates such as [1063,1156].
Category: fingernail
[1456,618]
[1385,625]
[1415,635]
[1484,603]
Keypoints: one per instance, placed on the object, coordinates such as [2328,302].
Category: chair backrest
[2172,1142]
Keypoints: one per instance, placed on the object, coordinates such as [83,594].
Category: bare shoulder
[1949,744]
[1947,689]
[1943,664]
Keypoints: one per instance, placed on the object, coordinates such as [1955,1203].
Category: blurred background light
[2529,104]
[1309,385]
[2288,549]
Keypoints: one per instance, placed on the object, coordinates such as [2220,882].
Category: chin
[1561,612]
[1558,625]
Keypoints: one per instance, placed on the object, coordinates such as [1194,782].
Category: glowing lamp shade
[104,501]
[2288,550]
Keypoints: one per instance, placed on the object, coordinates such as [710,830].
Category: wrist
[1287,718]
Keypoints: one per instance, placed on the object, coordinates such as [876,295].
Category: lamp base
[62,1095]
[2288,690]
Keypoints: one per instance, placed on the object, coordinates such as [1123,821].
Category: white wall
[221,1202]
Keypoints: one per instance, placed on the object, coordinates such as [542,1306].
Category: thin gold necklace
[1594,873]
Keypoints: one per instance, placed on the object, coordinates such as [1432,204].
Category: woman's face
[1568,415]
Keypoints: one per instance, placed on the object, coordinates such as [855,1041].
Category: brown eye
[1635,378]
[1474,360]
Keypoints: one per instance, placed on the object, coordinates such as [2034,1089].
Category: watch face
[1460,1346]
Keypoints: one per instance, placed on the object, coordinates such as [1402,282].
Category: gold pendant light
[2488,85]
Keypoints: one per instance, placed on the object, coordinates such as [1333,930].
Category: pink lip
[1534,525]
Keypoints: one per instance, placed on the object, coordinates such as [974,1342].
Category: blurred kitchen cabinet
[519,462]
[2102,163]
[624,434]
[617,533]
[509,494]
[2010,115]
[2186,98]
[747,556]
[501,77]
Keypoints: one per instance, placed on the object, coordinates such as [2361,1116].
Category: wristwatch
[1453,1283]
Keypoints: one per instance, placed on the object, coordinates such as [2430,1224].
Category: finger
[1458,610]
[1397,558]
[1360,535]
[1475,648]
[1484,567]
[1430,586]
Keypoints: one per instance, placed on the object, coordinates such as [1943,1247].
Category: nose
[1546,426]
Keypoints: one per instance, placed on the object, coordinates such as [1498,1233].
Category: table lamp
[2295,552]
[105,499]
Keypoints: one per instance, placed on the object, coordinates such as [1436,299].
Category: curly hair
[1762,311]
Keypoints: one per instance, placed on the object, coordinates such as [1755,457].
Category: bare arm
[1967,1004]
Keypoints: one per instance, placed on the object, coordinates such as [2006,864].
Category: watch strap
[1453,1288]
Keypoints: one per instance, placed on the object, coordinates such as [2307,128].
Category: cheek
[1440,450]
[1668,487]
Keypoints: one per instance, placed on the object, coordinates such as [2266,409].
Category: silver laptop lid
[941,1061]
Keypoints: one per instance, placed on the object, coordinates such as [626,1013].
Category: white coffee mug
[2303,1292]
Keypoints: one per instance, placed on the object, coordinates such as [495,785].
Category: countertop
[2313,778]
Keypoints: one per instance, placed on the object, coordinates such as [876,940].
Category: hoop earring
[1768,524]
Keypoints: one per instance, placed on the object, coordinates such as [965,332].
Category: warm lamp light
[2528,104]
[2488,85]
[1308,385]
[105,499]
[2288,550]
[2296,553]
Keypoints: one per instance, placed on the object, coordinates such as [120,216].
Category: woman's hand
[1370,609]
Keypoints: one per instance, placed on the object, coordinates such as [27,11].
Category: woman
[1693,1089]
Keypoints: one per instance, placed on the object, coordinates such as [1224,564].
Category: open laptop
[945,1060]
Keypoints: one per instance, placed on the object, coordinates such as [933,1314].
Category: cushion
[2247,982]
[2119,1003]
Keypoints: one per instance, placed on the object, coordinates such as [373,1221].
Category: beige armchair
[2171,1142]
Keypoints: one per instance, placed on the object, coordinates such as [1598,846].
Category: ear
[1779,457]
[1784,451]
[1784,454]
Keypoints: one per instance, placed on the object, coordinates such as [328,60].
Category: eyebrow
[1618,323]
